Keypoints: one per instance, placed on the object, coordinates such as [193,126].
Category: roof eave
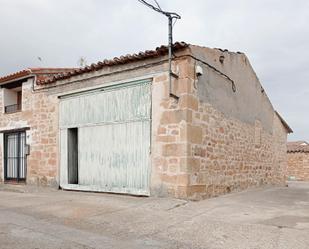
[159,51]
[24,74]
[16,79]
[284,123]
[297,151]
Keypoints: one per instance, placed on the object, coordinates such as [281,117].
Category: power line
[171,16]
[158,4]
[158,9]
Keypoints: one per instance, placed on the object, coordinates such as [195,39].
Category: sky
[273,34]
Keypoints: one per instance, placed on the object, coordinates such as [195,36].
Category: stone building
[121,126]
[298,161]
[28,128]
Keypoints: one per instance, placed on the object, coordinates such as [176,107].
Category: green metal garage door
[111,139]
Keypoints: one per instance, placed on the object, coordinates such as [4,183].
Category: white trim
[2,159]
[110,83]
[105,88]
[93,188]
[103,123]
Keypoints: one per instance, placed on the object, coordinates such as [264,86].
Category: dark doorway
[14,156]
[73,156]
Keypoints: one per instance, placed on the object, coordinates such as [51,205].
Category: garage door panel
[107,106]
[115,156]
[113,139]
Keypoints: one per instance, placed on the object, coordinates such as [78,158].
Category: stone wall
[207,152]
[298,166]
[170,131]
[230,155]
[279,141]
[210,154]
[40,116]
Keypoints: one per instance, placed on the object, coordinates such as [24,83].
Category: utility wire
[170,16]
[158,4]
[175,22]
[158,9]
[173,15]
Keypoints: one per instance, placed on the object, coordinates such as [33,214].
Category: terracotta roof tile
[41,73]
[159,51]
[298,146]
[15,75]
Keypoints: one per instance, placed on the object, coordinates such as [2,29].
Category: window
[15,156]
[19,98]
[12,98]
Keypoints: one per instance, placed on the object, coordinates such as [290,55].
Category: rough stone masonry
[298,161]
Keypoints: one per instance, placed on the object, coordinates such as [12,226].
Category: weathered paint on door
[113,139]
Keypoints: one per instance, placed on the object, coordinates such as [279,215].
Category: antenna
[170,16]
[82,61]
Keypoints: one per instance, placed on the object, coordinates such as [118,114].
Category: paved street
[260,218]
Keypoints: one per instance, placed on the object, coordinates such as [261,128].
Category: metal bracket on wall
[171,16]
[171,94]
[176,76]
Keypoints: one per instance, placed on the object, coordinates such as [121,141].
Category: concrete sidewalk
[260,218]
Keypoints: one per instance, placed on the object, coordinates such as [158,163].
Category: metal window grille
[14,156]
[12,108]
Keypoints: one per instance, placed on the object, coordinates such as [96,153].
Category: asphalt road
[261,218]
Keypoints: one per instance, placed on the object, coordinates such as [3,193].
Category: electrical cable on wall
[217,71]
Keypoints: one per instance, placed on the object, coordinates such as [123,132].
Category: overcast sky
[273,33]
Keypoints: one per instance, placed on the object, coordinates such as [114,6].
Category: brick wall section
[298,166]
[40,114]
